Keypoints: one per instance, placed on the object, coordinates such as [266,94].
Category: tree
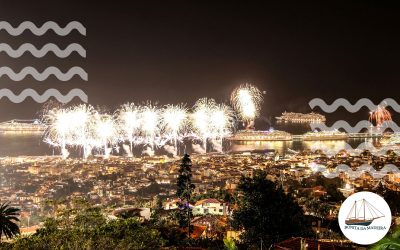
[8,219]
[90,218]
[155,218]
[331,186]
[266,213]
[87,229]
[390,196]
[229,244]
[389,242]
[184,191]
[317,207]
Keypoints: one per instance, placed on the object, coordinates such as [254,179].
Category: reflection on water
[279,146]
[282,146]
[22,144]
[298,128]
[32,145]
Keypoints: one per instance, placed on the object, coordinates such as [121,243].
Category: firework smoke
[170,149]
[127,150]
[148,151]
[198,148]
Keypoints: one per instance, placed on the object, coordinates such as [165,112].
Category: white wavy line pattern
[38,53]
[44,97]
[357,128]
[45,74]
[341,102]
[354,174]
[39,31]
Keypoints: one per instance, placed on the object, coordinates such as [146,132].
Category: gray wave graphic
[44,97]
[357,128]
[354,174]
[50,47]
[45,74]
[39,31]
[356,150]
[341,102]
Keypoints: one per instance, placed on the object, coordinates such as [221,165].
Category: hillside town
[41,185]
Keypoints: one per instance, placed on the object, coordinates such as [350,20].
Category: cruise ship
[325,135]
[258,135]
[23,126]
[301,118]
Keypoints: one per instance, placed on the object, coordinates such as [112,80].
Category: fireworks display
[380,115]
[222,122]
[247,100]
[201,123]
[105,133]
[128,121]
[150,125]
[147,126]
[69,127]
[174,120]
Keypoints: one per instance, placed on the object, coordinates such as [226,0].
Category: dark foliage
[266,213]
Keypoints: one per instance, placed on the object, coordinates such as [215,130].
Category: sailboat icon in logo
[362,213]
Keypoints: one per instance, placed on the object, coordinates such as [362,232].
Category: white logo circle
[365,218]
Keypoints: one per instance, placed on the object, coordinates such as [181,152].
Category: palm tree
[8,219]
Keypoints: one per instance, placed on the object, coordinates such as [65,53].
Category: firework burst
[105,132]
[150,125]
[174,122]
[69,127]
[380,115]
[221,123]
[201,119]
[147,125]
[128,120]
[211,121]
[246,100]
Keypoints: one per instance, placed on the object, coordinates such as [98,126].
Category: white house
[210,206]
[171,204]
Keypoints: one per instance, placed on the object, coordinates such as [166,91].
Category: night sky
[179,52]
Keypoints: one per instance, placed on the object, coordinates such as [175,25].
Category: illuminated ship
[362,215]
[258,135]
[301,118]
[324,135]
[22,126]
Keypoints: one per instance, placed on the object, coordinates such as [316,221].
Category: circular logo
[365,218]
